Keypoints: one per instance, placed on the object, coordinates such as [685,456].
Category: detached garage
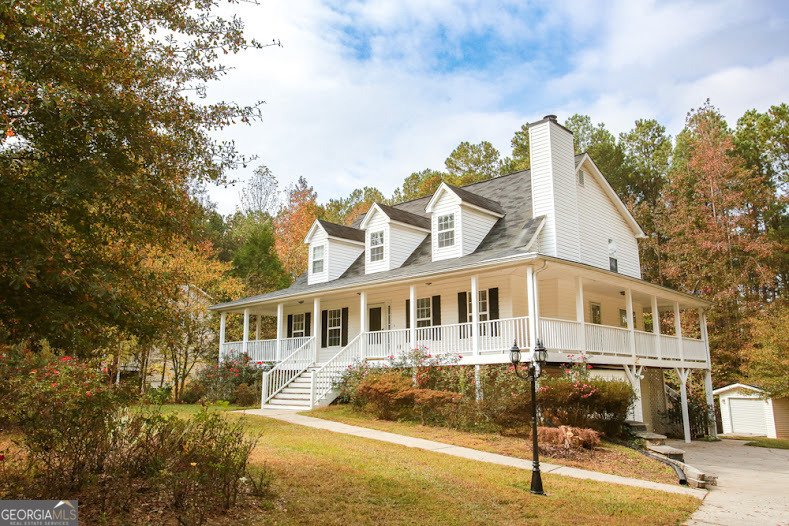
[744,411]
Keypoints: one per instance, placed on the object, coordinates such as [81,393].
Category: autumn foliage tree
[716,241]
[292,224]
[101,135]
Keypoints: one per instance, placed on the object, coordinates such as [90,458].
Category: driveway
[753,483]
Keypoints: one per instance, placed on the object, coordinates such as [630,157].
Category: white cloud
[433,74]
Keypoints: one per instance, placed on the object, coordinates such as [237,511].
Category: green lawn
[769,442]
[328,478]
[608,458]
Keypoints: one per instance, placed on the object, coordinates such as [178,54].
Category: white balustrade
[324,377]
[669,347]
[603,339]
[645,344]
[694,350]
[446,339]
[499,335]
[288,369]
[559,335]
[383,344]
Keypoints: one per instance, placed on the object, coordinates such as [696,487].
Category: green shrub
[592,403]
[193,393]
[245,395]
[219,381]
[159,395]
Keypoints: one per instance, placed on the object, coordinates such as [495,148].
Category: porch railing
[605,340]
[383,344]
[324,377]
[499,335]
[263,350]
[445,339]
[288,369]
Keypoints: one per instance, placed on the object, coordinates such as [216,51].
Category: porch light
[540,357]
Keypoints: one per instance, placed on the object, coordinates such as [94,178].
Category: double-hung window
[317,259]
[334,327]
[613,264]
[424,312]
[482,306]
[298,325]
[446,230]
[377,246]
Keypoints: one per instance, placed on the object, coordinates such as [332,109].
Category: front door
[377,321]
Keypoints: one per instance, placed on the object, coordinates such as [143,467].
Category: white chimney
[553,188]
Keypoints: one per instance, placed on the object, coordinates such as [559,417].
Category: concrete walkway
[753,483]
[292,417]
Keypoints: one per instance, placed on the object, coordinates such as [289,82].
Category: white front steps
[296,395]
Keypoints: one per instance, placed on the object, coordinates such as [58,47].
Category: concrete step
[635,425]
[653,439]
[668,451]
[282,406]
[289,402]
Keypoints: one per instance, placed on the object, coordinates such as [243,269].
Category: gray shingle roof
[404,216]
[511,192]
[477,200]
[344,232]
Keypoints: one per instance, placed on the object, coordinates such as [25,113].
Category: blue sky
[364,93]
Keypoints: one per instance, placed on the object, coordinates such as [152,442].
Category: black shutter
[407,314]
[436,311]
[324,327]
[463,314]
[307,324]
[436,317]
[493,309]
[344,335]
[462,307]
[290,326]
[493,304]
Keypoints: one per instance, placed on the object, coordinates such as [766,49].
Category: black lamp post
[535,370]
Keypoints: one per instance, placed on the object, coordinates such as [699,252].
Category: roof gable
[333,230]
[466,197]
[397,215]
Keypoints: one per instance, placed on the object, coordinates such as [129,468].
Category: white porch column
[683,391]
[475,314]
[316,326]
[280,329]
[678,331]
[246,330]
[656,327]
[579,312]
[412,314]
[363,321]
[630,327]
[712,426]
[633,373]
[257,326]
[530,301]
[222,325]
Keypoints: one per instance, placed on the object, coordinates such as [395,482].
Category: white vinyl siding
[447,204]
[476,225]
[600,221]
[554,190]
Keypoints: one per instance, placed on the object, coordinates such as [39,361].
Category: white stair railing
[323,378]
[287,370]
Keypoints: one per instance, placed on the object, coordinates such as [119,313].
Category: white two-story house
[547,254]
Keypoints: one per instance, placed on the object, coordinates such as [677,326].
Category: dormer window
[317,259]
[446,230]
[612,260]
[377,246]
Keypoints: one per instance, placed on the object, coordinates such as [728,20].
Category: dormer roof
[395,214]
[334,230]
[467,197]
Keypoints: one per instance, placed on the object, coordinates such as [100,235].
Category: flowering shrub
[592,403]
[220,382]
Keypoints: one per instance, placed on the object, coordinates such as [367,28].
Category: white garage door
[747,416]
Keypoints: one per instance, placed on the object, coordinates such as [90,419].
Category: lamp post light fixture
[537,361]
